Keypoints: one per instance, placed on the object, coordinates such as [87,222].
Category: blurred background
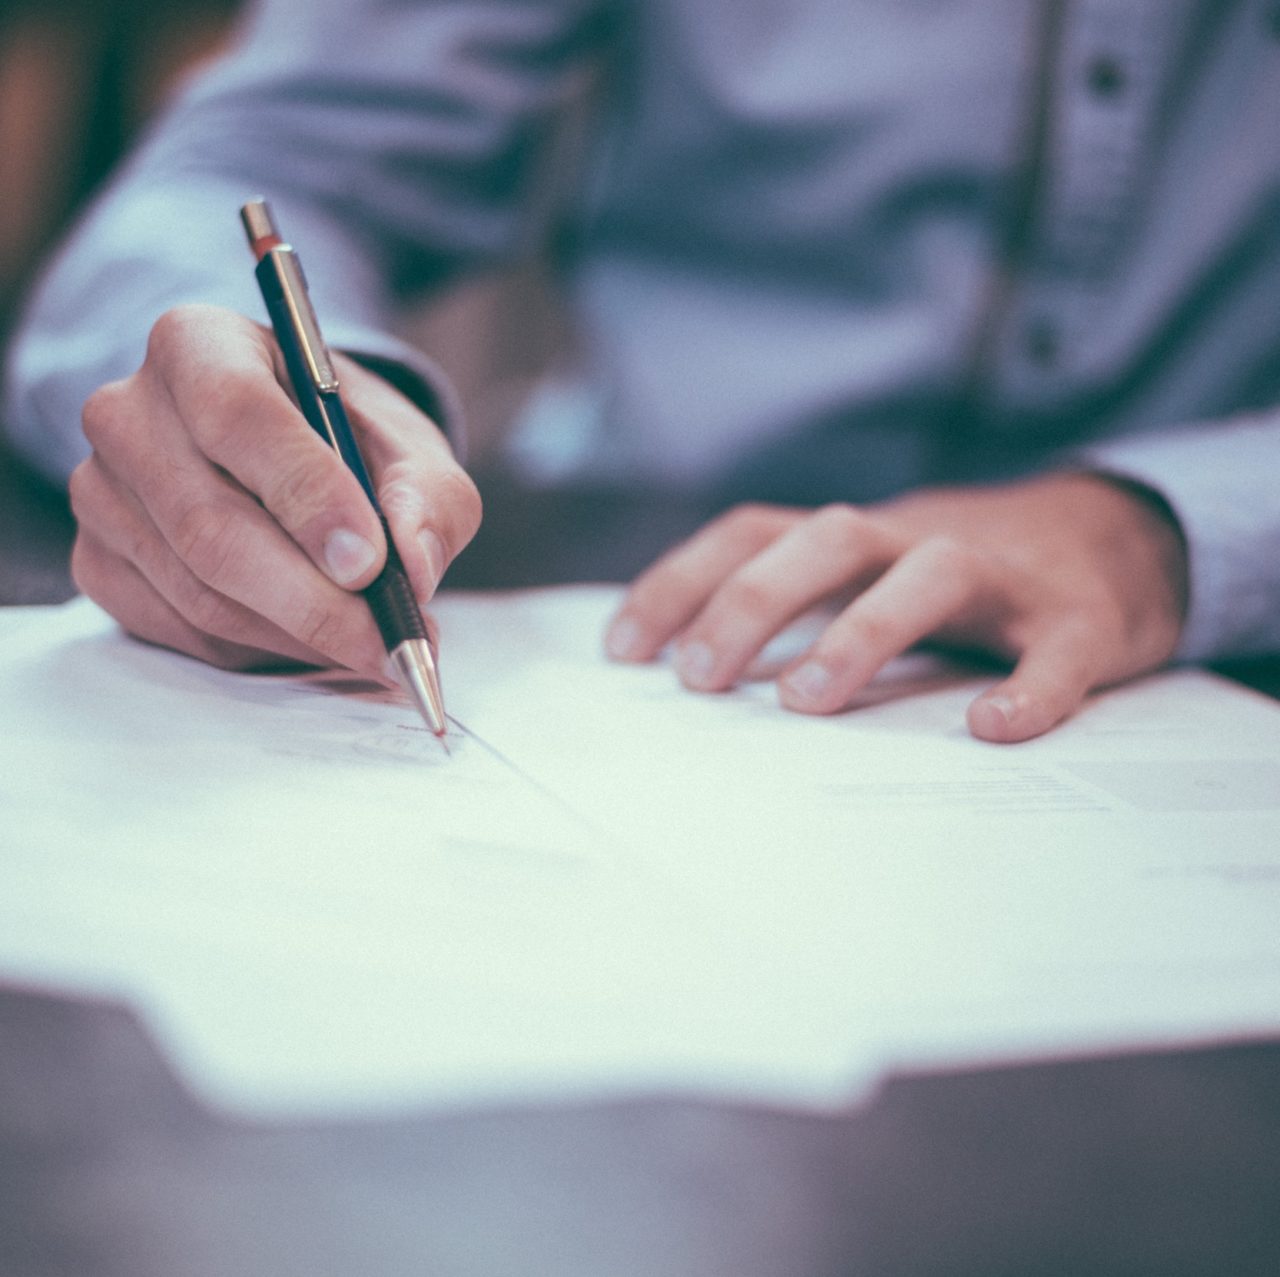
[78,80]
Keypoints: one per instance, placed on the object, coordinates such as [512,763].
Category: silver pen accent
[415,666]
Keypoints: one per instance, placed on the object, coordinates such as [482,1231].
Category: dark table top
[36,530]
[1157,1163]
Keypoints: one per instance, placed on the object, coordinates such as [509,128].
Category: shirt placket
[1107,77]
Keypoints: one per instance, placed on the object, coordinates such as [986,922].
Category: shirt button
[1041,342]
[1105,76]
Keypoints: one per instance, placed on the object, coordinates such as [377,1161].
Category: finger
[834,549]
[237,550]
[229,542]
[111,515]
[219,530]
[926,589]
[430,503]
[1048,684]
[241,418]
[116,585]
[667,596]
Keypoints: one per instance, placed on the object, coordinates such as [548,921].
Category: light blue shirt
[828,247]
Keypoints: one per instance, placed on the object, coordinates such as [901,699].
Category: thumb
[1048,684]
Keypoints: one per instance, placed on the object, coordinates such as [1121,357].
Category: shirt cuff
[1219,481]
[130,262]
[420,379]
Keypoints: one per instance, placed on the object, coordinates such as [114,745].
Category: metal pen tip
[416,668]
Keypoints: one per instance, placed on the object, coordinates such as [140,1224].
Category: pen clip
[268,247]
[303,318]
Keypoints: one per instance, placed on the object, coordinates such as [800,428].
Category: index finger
[665,597]
[430,503]
[220,373]
[927,588]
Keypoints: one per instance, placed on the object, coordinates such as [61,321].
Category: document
[611,885]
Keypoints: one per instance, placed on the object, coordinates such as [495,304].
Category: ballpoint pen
[315,383]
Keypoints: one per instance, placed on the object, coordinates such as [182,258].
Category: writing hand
[1079,580]
[215,521]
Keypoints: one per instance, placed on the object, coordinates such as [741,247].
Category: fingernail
[348,556]
[694,662]
[622,639]
[991,715]
[809,683]
[433,552]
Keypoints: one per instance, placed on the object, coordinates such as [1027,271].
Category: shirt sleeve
[1220,481]
[396,143]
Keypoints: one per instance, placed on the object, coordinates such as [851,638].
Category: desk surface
[1164,1163]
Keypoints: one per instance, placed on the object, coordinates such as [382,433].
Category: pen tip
[416,668]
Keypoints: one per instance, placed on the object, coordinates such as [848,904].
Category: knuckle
[80,491]
[406,485]
[1086,621]
[1114,619]
[741,596]
[666,580]
[180,329]
[86,570]
[744,519]
[232,415]
[141,546]
[306,487]
[839,524]
[205,609]
[207,540]
[103,416]
[170,333]
[877,631]
[1110,631]
[321,629]
[839,530]
[461,493]
[751,525]
[949,556]
[401,491]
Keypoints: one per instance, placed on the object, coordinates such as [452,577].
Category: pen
[315,383]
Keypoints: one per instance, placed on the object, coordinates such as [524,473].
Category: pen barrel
[389,594]
[321,404]
[390,599]
[315,386]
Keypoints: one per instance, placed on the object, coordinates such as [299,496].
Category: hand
[215,521]
[1078,579]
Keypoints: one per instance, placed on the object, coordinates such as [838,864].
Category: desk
[1164,1163]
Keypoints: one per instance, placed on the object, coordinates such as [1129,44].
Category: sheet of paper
[936,899]
[611,884]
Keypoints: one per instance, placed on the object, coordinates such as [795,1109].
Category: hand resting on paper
[1077,579]
[215,521]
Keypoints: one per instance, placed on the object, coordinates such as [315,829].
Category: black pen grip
[390,599]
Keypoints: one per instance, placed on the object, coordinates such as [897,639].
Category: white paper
[612,884]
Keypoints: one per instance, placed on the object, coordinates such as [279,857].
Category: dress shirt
[823,248]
